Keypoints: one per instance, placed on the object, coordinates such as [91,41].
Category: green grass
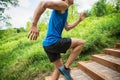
[22,59]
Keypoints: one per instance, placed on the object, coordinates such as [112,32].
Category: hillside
[22,59]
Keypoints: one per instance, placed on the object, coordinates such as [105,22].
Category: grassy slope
[22,59]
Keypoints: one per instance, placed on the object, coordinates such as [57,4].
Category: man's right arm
[57,5]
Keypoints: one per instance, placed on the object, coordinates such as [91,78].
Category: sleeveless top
[56,25]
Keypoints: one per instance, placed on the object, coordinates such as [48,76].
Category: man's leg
[76,47]
[56,73]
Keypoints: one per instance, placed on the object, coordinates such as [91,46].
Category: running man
[53,43]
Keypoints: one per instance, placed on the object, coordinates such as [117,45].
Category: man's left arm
[69,27]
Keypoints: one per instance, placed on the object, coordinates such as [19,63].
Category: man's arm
[57,5]
[69,27]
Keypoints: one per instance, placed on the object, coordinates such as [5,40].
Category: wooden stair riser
[117,46]
[112,53]
[106,63]
[89,72]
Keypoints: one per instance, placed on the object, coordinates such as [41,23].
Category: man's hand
[82,16]
[33,33]
[69,27]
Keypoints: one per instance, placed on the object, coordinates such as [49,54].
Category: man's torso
[56,25]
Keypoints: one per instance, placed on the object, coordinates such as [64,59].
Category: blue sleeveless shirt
[56,25]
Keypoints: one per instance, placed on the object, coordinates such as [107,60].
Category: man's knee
[77,42]
[80,42]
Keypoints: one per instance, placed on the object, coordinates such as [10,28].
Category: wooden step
[77,74]
[117,45]
[113,52]
[108,60]
[80,75]
[98,71]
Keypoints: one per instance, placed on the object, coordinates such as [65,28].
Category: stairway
[102,66]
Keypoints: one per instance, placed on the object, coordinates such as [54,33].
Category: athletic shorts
[61,46]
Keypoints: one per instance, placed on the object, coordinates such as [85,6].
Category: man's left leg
[56,73]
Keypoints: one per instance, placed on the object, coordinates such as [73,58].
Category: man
[54,44]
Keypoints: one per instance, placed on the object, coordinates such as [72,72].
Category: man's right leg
[56,73]
[76,48]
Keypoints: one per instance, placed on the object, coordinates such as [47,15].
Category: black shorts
[61,46]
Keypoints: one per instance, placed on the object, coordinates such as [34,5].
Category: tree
[110,9]
[99,8]
[116,3]
[5,4]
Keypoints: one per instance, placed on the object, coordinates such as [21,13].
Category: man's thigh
[61,46]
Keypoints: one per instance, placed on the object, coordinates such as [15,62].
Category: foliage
[116,4]
[28,26]
[110,9]
[102,8]
[99,8]
[72,13]
[5,4]
[98,32]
